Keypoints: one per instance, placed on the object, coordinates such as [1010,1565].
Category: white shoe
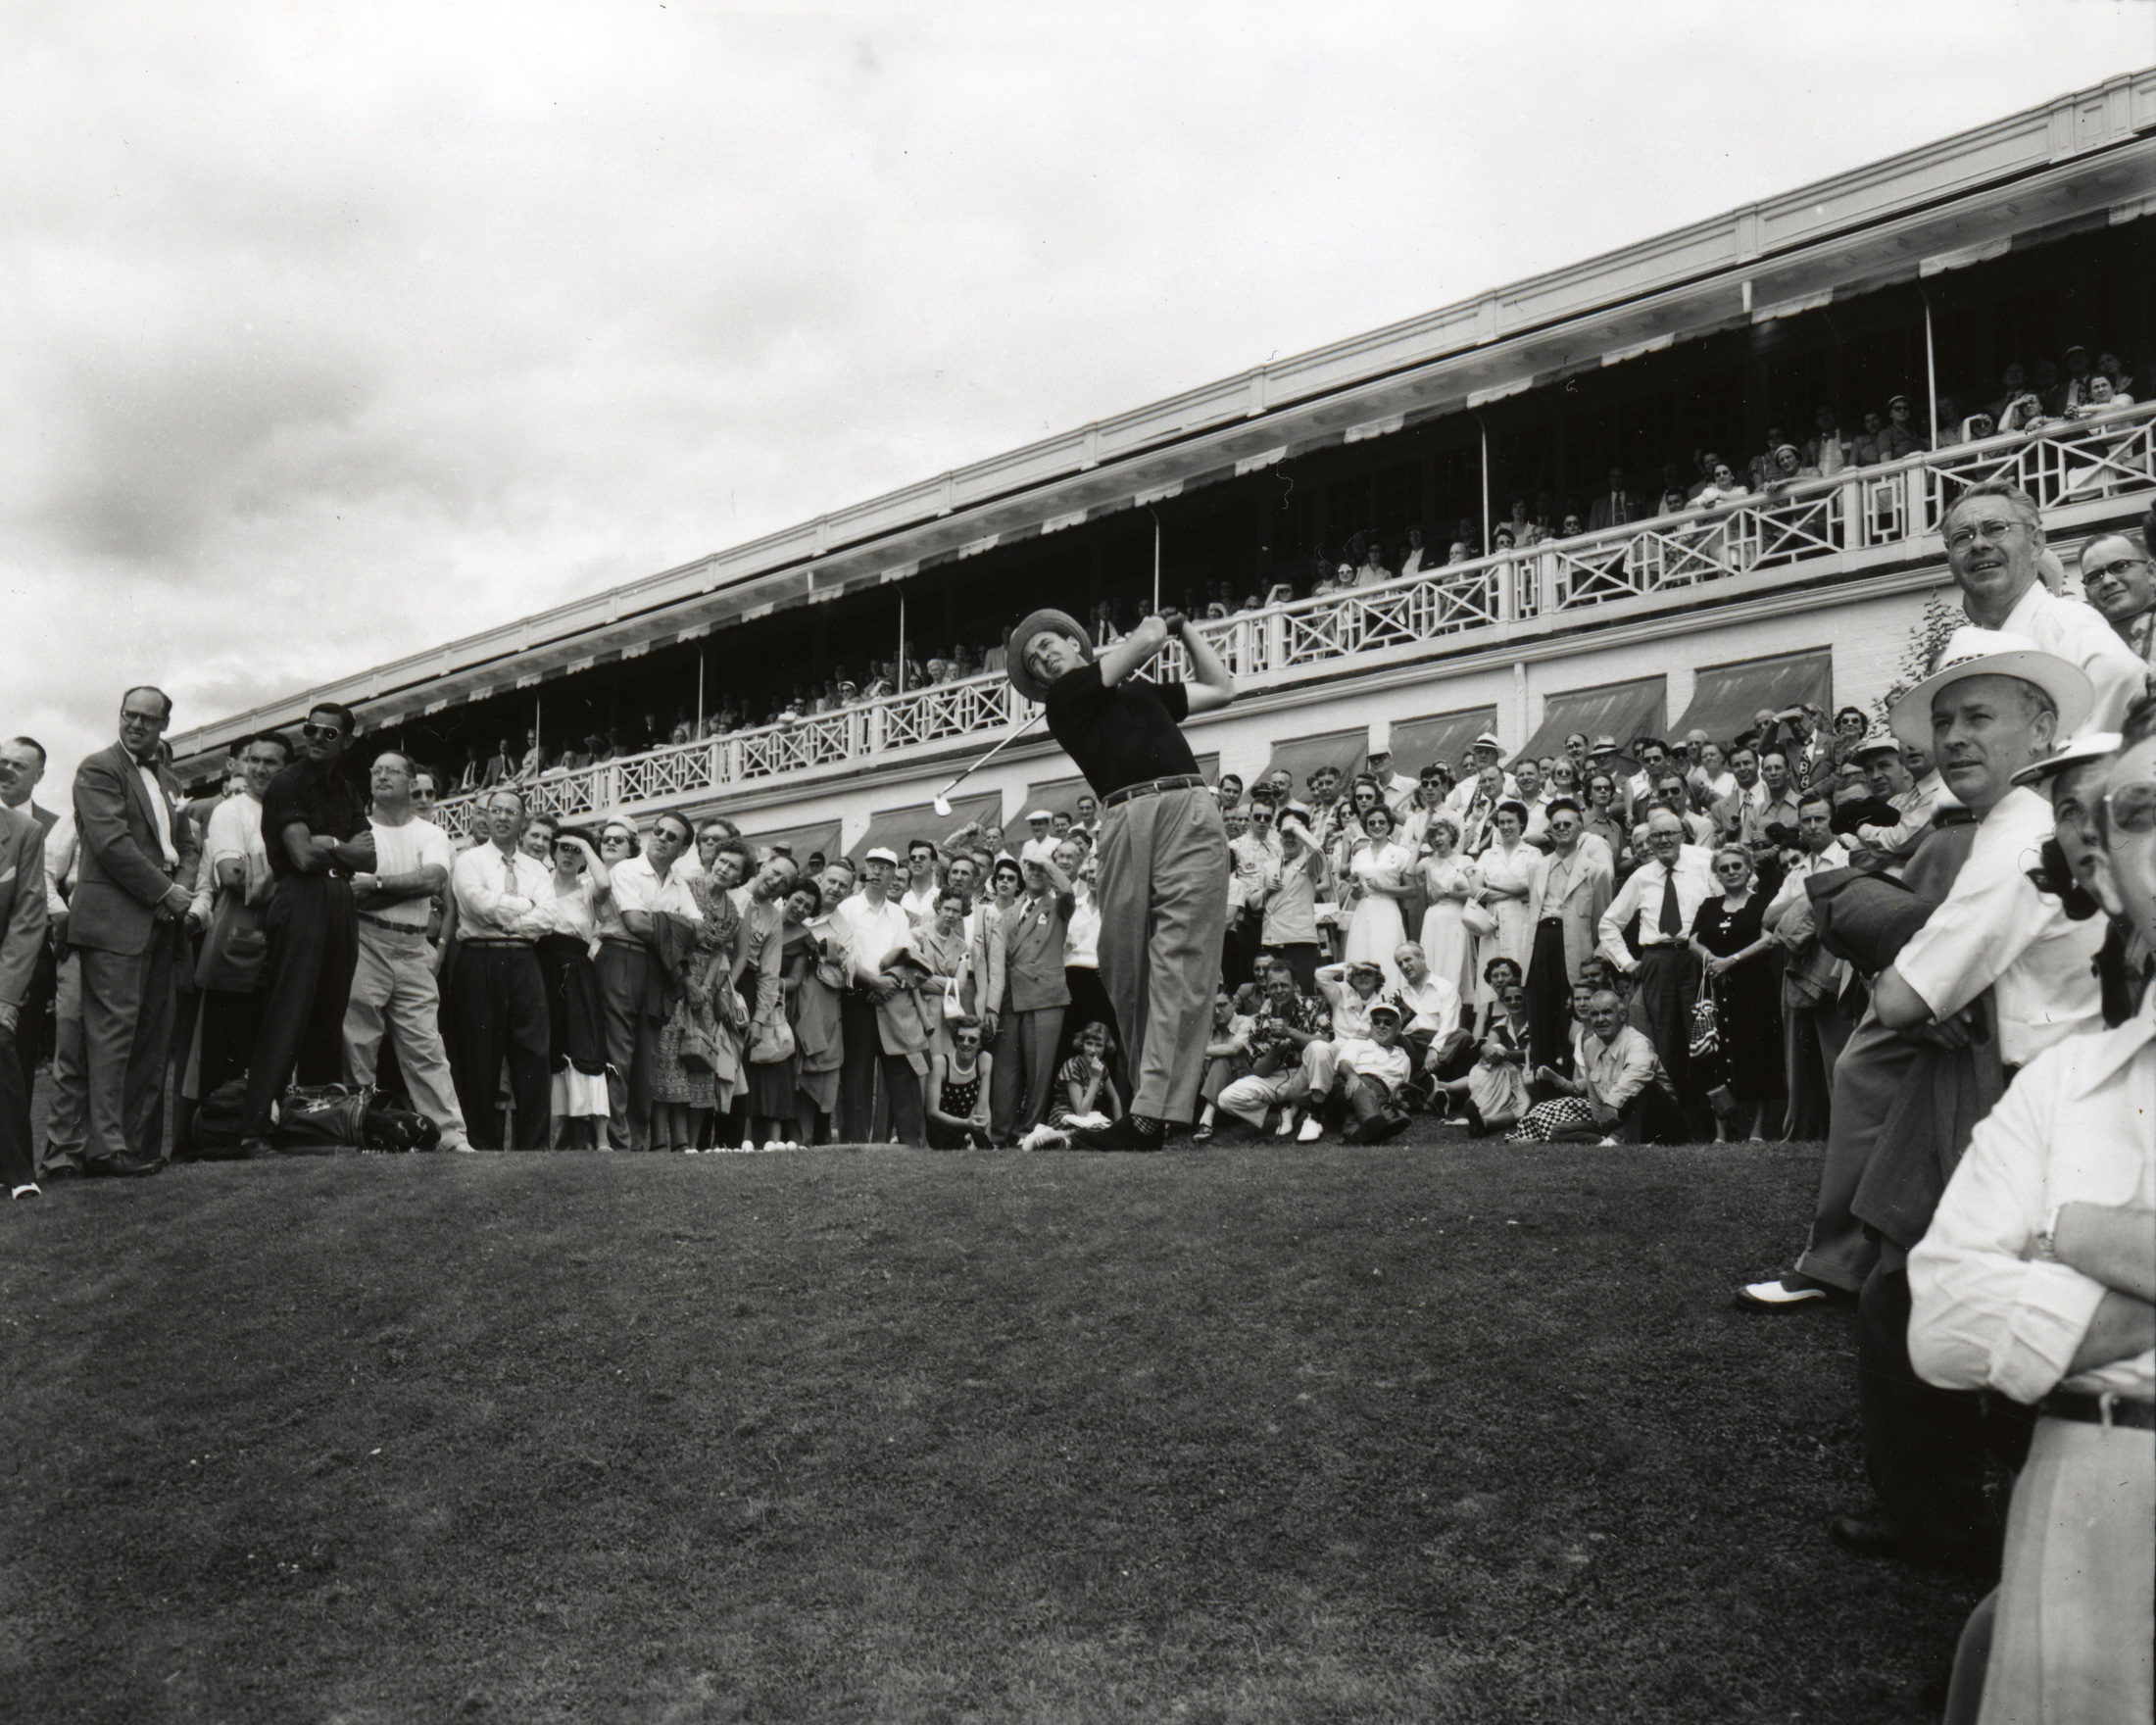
[1287,1127]
[1778,1295]
[28,1190]
[1312,1130]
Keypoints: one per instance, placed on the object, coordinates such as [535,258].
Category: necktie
[1672,923]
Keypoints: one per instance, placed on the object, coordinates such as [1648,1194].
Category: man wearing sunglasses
[313,826]
[1994,537]
[2036,1280]
[2120,578]
[125,921]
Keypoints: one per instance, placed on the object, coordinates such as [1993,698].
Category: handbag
[770,1038]
[1478,918]
[698,1037]
[1706,1028]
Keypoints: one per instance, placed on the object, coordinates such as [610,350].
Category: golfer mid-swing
[1163,857]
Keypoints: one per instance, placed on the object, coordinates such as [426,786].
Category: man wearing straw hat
[1994,962]
[1163,857]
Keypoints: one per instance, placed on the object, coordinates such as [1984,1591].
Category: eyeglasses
[614,838]
[1992,530]
[141,719]
[321,733]
[2119,567]
[2129,810]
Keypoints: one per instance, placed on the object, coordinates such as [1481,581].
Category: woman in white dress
[1382,870]
[1507,870]
[1448,880]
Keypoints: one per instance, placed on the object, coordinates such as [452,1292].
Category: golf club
[942,797]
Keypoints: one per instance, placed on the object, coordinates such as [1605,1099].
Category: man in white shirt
[1532,794]
[1367,1073]
[878,928]
[498,999]
[393,984]
[1815,1020]
[1487,752]
[1994,539]
[1652,754]
[656,883]
[1665,892]
[2036,1280]
[1620,1080]
[2119,575]
[1290,925]
[1430,1012]
[918,901]
[622,962]
[1906,779]
[1987,720]
[1041,846]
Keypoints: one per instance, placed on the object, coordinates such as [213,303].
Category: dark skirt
[1549,1000]
[769,1092]
[577,1030]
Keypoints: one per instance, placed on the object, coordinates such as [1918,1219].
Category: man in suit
[137,863]
[21,943]
[1615,507]
[1570,889]
[22,765]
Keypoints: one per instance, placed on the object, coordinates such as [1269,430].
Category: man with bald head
[1665,894]
[2120,578]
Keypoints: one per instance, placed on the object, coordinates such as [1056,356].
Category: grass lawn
[1432,1432]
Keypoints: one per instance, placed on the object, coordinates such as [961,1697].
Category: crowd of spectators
[1929,948]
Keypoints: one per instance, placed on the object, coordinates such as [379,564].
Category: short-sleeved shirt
[319,798]
[1123,735]
[1276,1017]
[638,887]
[1997,931]
[406,850]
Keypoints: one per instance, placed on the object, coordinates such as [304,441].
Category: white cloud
[335,334]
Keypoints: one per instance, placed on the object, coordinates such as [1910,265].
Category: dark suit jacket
[1609,511]
[21,903]
[121,875]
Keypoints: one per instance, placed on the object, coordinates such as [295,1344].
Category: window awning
[896,829]
[1725,696]
[1344,749]
[1443,736]
[1623,711]
[1052,794]
[800,842]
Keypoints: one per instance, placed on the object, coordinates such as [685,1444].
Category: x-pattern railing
[1811,519]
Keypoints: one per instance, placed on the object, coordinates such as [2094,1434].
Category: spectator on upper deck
[1760,467]
[1371,571]
[1722,486]
[1826,450]
[1614,507]
[2013,385]
[1900,437]
[2072,389]
[1570,528]
[1866,446]
[1412,562]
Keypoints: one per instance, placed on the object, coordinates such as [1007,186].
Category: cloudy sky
[336,331]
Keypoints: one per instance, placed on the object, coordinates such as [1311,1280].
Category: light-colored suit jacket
[21,902]
[122,874]
[1587,896]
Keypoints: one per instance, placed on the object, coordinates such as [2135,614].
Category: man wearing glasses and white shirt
[2120,578]
[1995,535]
[499,998]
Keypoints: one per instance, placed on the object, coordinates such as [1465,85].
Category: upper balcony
[1860,521]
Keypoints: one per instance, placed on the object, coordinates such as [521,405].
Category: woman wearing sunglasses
[1743,1074]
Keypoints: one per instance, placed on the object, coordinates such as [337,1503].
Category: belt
[2109,1408]
[393,927]
[494,940]
[1152,787]
[622,940]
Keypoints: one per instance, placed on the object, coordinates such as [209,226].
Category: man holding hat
[1290,925]
[876,928]
[1487,752]
[1163,857]
[1995,705]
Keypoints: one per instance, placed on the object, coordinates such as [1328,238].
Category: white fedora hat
[1972,652]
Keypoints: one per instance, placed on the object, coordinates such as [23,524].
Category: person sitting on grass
[1493,1093]
[1365,1075]
[957,1099]
[1227,1058]
[1286,1027]
[1085,1094]
[1620,1080]
[1350,990]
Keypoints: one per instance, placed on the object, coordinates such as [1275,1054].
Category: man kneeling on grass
[1621,1080]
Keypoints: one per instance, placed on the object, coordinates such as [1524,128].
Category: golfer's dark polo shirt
[320,799]
[1123,735]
